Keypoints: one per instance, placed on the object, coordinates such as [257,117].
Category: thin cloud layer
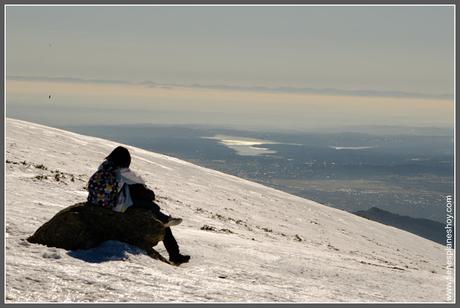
[323,91]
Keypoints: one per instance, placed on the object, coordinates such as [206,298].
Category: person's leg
[170,243]
[160,215]
[172,248]
[140,203]
[143,197]
[155,208]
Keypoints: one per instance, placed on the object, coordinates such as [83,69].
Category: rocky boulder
[84,226]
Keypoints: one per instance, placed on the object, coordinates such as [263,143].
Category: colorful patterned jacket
[103,186]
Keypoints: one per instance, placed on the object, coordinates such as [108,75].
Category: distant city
[406,171]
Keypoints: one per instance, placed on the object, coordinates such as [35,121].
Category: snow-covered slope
[261,244]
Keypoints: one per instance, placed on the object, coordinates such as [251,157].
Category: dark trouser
[151,205]
[169,241]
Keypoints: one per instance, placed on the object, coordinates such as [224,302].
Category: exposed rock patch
[84,226]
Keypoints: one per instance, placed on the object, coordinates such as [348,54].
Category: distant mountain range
[426,228]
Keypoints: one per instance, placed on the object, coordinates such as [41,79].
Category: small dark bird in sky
[49,96]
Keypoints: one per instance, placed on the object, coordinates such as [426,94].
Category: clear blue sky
[379,48]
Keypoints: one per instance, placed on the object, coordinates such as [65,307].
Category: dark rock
[214,229]
[208,228]
[84,226]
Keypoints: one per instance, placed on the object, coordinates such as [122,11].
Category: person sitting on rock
[115,186]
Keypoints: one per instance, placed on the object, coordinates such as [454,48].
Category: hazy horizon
[260,67]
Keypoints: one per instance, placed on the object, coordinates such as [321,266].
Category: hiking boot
[179,259]
[172,222]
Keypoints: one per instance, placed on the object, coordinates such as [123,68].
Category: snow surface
[261,244]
